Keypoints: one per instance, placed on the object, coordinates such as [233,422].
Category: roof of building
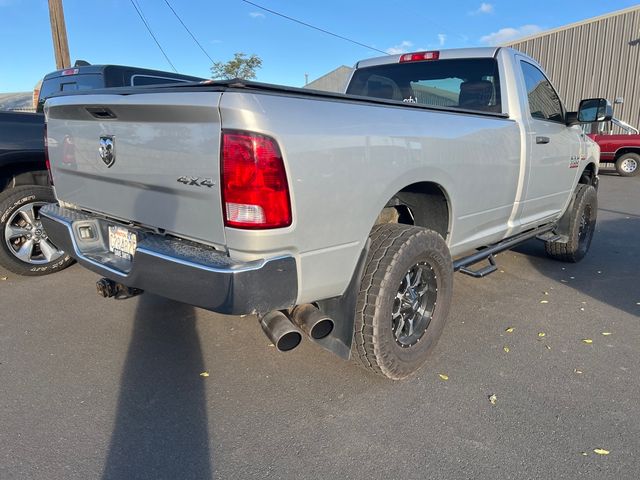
[573,25]
[16,101]
[341,70]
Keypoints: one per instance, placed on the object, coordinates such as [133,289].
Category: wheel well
[23,174]
[423,204]
[588,175]
[622,151]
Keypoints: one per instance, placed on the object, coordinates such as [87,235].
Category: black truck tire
[581,221]
[25,248]
[628,165]
[403,301]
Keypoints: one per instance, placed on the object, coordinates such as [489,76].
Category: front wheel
[628,165]
[25,248]
[581,221]
[404,299]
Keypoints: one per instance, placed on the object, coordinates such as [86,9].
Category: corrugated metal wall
[334,81]
[599,58]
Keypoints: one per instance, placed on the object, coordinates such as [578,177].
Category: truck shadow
[609,272]
[161,427]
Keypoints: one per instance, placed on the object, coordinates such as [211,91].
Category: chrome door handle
[542,140]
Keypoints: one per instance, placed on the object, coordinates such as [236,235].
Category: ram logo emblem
[107,149]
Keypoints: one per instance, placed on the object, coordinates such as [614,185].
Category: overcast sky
[110,31]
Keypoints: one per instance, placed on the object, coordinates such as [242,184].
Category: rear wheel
[628,165]
[403,301]
[581,221]
[25,247]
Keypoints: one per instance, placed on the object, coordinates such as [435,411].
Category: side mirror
[595,110]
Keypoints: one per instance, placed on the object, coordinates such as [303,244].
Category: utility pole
[59,34]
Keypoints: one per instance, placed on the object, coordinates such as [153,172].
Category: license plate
[122,242]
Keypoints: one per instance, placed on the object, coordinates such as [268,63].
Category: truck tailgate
[151,159]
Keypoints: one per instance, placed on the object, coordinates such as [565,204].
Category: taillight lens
[420,56]
[255,192]
[46,155]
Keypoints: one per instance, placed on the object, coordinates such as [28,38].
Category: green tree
[241,66]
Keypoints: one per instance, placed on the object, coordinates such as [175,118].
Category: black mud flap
[343,310]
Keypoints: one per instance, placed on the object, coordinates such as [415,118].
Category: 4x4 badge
[107,149]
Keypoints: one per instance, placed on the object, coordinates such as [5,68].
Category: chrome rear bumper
[183,271]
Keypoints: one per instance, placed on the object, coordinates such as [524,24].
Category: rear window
[140,80]
[68,83]
[471,84]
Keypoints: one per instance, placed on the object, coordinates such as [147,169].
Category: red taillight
[46,155]
[255,192]
[70,71]
[419,56]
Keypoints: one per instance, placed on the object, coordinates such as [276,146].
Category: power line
[187,29]
[139,10]
[314,27]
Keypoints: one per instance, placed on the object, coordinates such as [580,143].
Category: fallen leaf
[204,374]
[271,345]
[588,341]
[506,349]
[579,372]
[547,346]
[541,334]
[443,376]
[606,334]
[601,451]
[546,293]
[544,301]
[584,454]
[3,278]
[509,330]
[493,398]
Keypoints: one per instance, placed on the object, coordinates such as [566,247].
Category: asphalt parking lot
[94,388]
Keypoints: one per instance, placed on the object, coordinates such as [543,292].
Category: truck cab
[84,76]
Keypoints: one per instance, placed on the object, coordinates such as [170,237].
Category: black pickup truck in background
[25,248]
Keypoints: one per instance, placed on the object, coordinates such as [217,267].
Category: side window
[544,102]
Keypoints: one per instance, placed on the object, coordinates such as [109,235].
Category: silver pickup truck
[339,217]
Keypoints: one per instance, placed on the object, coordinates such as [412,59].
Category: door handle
[542,140]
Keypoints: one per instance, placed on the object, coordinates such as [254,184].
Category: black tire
[628,165]
[12,202]
[580,219]
[378,343]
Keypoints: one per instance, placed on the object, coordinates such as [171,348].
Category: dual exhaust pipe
[285,330]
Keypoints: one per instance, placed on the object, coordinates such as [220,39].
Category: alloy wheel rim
[414,304]
[26,237]
[585,224]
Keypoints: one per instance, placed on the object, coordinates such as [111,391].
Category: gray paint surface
[598,57]
[95,388]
